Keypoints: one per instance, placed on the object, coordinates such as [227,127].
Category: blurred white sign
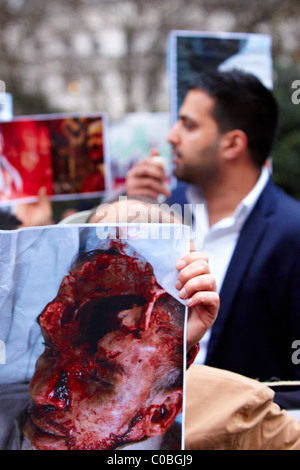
[131,139]
[6,106]
[191,52]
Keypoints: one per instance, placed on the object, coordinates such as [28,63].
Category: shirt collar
[250,200]
[195,196]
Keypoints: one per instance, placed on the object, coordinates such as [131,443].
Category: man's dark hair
[243,102]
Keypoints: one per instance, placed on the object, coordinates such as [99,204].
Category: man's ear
[234,144]
[162,412]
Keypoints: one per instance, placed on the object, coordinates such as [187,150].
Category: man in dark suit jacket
[225,132]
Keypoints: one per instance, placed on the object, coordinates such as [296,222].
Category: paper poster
[190,52]
[64,153]
[111,355]
[131,139]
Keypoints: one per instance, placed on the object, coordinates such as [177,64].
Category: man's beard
[197,175]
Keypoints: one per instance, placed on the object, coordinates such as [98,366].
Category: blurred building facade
[110,55]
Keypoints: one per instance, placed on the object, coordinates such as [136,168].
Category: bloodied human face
[111,372]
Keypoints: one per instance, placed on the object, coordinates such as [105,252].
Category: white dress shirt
[220,239]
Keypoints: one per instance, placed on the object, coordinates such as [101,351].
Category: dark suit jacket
[259,315]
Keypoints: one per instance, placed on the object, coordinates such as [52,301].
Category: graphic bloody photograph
[63,153]
[95,342]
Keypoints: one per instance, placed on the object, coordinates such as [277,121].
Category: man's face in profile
[109,346]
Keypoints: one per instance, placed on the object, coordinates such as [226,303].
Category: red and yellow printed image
[63,154]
